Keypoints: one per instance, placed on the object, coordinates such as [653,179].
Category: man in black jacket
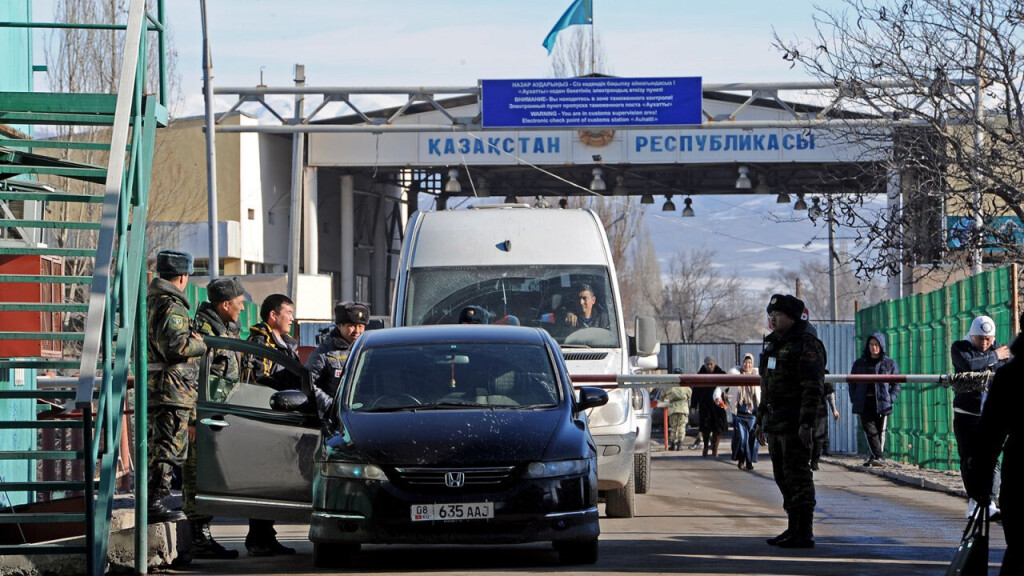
[792,386]
[978,352]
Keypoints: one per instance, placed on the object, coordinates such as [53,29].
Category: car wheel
[619,503]
[577,552]
[333,554]
[642,471]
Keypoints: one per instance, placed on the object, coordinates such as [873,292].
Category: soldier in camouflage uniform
[173,369]
[792,384]
[326,363]
[277,313]
[216,317]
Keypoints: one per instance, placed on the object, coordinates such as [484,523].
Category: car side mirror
[646,333]
[291,401]
[592,398]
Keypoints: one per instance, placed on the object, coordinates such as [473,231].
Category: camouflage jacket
[792,379]
[224,366]
[173,353]
[256,368]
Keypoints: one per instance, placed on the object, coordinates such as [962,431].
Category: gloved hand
[806,434]
[759,434]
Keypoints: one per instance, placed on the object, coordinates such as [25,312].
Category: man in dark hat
[328,360]
[218,316]
[473,315]
[173,371]
[792,387]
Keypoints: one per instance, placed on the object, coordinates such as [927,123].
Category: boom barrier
[611,381]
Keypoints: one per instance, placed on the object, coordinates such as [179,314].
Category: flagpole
[593,48]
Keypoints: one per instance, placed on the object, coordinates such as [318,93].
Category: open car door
[253,461]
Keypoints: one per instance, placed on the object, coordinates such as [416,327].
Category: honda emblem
[454,479]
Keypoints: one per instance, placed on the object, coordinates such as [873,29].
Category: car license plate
[449,512]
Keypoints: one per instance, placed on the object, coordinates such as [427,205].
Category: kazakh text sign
[590,102]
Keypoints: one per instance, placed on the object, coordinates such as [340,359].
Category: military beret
[473,315]
[787,304]
[351,313]
[174,262]
[224,289]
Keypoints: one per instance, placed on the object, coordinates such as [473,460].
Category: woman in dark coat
[712,418]
[874,401]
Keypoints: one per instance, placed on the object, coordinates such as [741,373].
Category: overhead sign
[590,102]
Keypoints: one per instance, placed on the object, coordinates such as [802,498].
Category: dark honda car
[438,434]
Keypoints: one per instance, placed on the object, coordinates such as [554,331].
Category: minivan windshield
[572,303]
[452,376]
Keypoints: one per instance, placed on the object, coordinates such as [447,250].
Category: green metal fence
[920,330]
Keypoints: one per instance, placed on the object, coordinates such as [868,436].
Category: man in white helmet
[977,352]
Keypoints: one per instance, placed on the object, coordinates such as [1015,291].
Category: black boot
[262,540]
[785,533]
[203,544]
[160,486]
[157,512]
[803,535]
[814,463]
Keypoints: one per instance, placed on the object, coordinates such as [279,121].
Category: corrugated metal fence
[920,330]
[840,344]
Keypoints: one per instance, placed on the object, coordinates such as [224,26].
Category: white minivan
[528,266]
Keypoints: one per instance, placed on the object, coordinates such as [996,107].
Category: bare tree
[812,282]
[948,74]
[640,281]
[701,305]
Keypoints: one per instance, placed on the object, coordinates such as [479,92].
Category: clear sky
[457,43]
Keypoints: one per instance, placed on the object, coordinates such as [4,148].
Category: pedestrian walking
[172,355]
[218,316]
[678,409]
[792,383]
[873,401]
[977,352]
[999,430]
[712,417]
[743,405]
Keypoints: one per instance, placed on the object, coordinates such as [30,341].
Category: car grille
[475,478]
[579,356]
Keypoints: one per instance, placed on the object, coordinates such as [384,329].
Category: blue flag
[580,12]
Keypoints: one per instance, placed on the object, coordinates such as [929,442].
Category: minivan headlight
[559,468]
[350,470]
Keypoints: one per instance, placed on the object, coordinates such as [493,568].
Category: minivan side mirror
[646,335]
[592,397]
[291,401]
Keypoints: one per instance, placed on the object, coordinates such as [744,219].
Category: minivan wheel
[642,471]
[620,503]
[333,554]
[576,552]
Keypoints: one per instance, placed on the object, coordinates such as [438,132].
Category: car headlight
[559,468]
[638,399]
[349,470]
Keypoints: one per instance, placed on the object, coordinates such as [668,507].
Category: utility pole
[211,149]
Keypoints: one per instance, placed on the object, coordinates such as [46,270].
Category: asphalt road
[702,516]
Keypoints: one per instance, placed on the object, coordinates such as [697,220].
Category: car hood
[435,438]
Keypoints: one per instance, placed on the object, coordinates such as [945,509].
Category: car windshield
[547,297]
[451,376]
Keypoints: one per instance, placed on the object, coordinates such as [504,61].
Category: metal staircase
[102,352]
